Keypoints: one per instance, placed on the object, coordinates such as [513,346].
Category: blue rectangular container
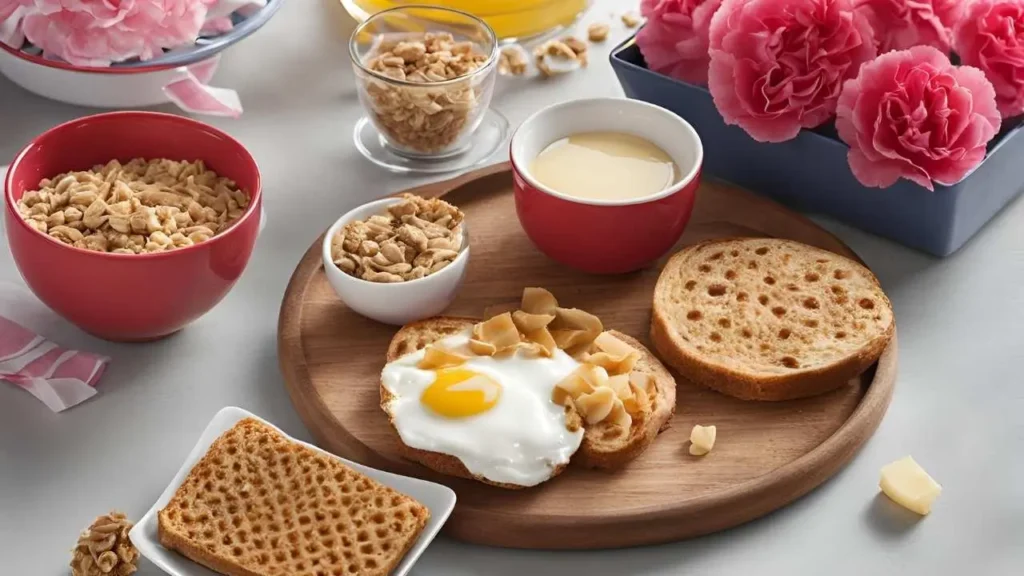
[811,172]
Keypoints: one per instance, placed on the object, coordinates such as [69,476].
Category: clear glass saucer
[486,140]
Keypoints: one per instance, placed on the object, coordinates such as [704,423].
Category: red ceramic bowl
[601,236]
[120,296]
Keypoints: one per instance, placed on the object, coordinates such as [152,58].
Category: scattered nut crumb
[104,548]
[598,32]
[632,19]
[139,207]
[702,440]
[427,119]
[561,56]
[513,61]
[417,238]
[578,46]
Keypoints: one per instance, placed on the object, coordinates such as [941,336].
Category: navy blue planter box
[811,172]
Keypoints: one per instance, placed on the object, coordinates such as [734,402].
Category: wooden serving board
[766,456]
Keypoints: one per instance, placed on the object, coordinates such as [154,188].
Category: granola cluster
[104,548]
[416,238]
[134,208]
[431,115]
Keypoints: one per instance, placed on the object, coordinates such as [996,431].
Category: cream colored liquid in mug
[604,166]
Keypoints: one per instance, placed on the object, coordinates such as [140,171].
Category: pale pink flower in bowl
[991,37]
[902,24]
[7,7]
[912,114]
[779,65]
[675,40]
[100,32]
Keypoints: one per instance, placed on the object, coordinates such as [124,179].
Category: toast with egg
[414,337]
[768,319]
[599,448]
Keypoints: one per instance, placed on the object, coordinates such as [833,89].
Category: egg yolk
[459,393]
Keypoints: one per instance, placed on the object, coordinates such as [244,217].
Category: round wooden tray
[767,455]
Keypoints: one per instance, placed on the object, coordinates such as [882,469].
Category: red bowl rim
[255,195]
[682,184]
[60,65]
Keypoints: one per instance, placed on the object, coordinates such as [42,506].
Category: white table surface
[957,408]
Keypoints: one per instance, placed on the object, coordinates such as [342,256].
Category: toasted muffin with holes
[509,401]
[768,319]
[258,504]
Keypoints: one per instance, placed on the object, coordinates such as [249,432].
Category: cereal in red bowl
[131,225]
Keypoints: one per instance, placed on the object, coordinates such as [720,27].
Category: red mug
[605,236]
[131,297]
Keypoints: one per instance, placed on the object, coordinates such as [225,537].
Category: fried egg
[494,414]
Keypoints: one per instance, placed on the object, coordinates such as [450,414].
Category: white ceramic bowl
[98,87]
[440,500]
[402,302]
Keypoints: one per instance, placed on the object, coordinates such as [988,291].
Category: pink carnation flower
[902,24]
[779,65]
[912,114]
[991,37]
[7,7]
[100,32]
[675,40]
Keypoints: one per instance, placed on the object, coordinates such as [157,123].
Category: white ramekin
[402,302]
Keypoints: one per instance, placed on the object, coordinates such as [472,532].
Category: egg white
[520,441]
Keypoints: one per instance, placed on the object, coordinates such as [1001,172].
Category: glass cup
[425,106]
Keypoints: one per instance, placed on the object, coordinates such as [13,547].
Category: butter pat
[702,440]
[908,485]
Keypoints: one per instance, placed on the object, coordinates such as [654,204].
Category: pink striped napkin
[58,377]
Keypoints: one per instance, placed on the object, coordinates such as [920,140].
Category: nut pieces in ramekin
[411,290]
[417,237]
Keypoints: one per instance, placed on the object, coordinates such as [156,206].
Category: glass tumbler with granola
[425,77]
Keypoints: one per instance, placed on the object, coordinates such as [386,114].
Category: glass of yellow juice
[512,20]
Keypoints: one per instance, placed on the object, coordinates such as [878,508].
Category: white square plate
[439,499]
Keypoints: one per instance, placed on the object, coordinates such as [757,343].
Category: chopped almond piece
[615,364]
[597,405]
[567,339]
[500,331]
[702,439]
[612,345]
[631,19]
[482,348]
[527,322]
[620,384]
[435,357]
[542,337]
[538,301]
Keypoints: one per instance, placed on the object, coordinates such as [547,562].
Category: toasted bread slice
[595,451]
[768,319]
[258,504]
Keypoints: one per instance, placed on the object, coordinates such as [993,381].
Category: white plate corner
[439,499]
